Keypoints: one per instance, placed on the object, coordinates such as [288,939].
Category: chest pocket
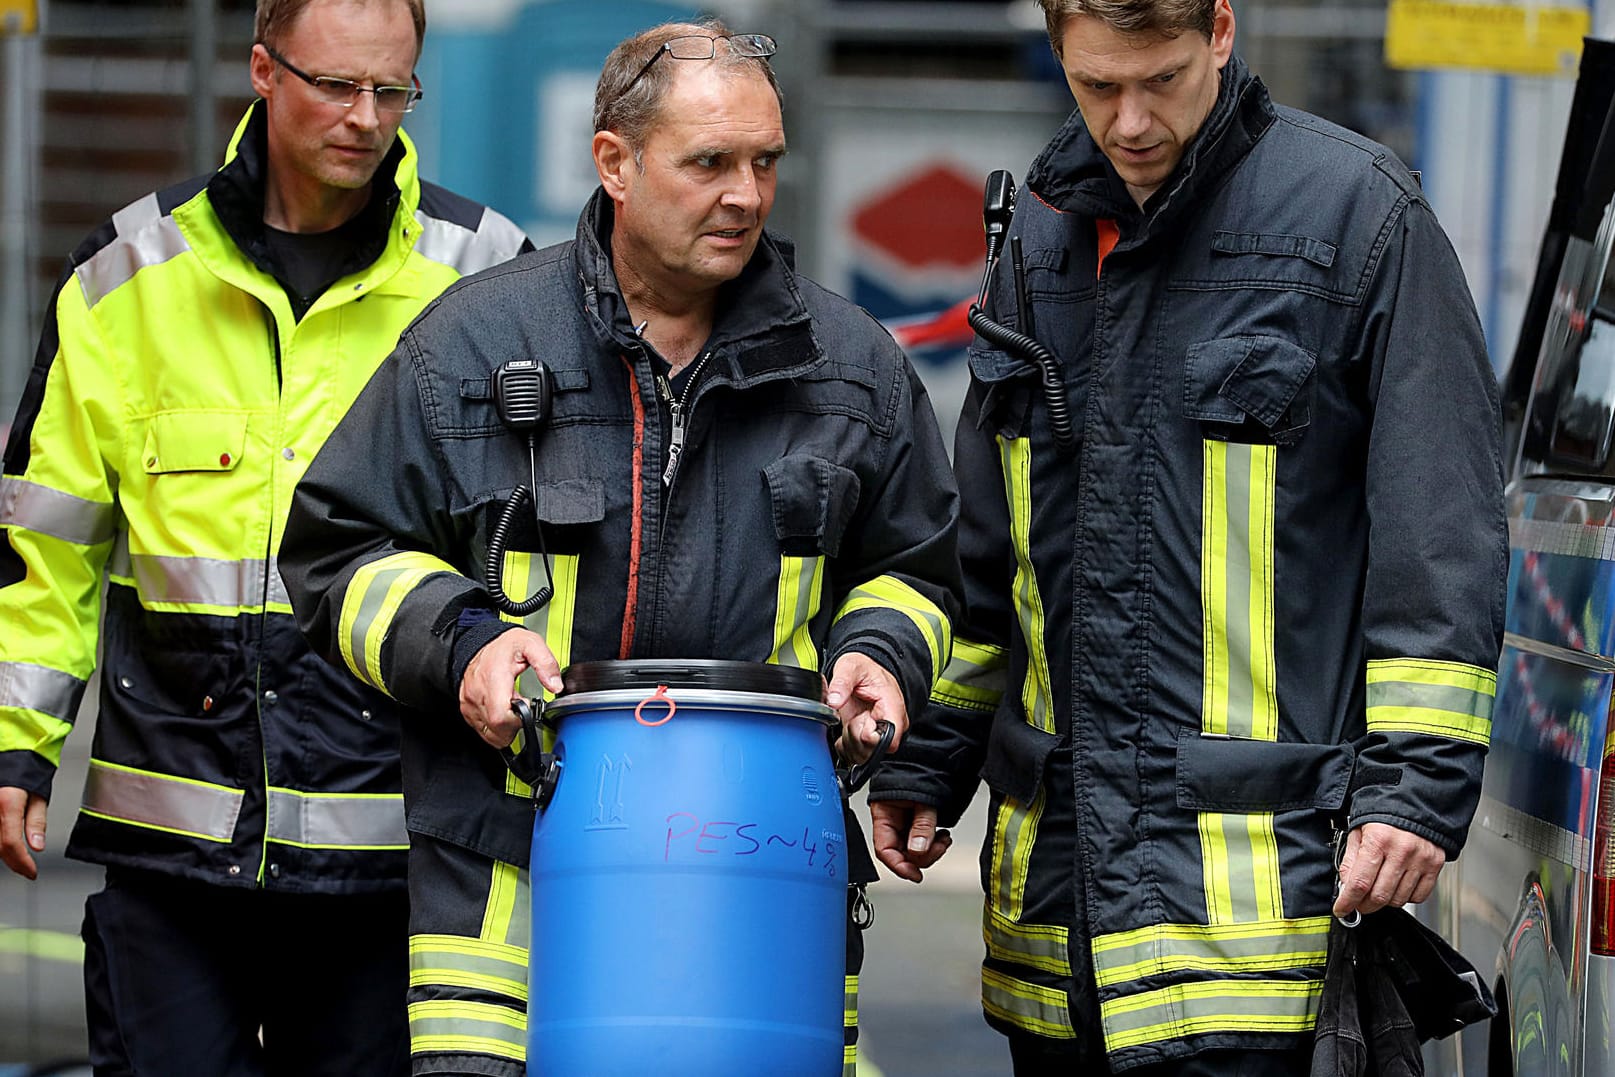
[813,502]
[178,441]
[1250,389]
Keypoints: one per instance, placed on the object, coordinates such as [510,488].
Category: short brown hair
[1163,18]
[632,110]
[275,18]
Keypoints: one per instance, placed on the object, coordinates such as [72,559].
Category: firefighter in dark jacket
[1265,572]
[736,464]
[244,797]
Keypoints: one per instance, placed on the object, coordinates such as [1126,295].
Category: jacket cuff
[471,636]
[27,770]
[888,654]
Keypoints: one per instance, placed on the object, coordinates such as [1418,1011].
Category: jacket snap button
[151,461]
[274,870]
[235,869]
[270,696]
[288,454]
[125,682]
[207,703]
[365,715]
[224,459]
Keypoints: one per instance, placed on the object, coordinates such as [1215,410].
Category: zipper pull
[675,445]
[664,389]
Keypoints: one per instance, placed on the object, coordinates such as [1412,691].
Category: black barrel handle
[857,776]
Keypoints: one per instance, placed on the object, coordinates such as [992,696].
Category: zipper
[263,614]
[679,407]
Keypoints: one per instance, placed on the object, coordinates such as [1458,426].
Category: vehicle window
[1573,416]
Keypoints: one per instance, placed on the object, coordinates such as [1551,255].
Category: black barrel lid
[709,673]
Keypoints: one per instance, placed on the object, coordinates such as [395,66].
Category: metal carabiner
[863,910]
[1338,841]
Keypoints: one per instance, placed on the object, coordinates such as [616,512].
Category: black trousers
[183,978]
[1035,1056]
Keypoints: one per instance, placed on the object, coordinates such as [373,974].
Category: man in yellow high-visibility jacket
[243,795]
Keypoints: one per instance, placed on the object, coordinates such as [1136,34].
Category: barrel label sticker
[689,834]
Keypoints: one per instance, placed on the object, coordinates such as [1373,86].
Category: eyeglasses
[701,47]
[344,92]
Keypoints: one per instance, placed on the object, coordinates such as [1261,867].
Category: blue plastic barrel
[689,876]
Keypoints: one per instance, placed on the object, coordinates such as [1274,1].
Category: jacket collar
[237,193]
[1073,175]
[761,329]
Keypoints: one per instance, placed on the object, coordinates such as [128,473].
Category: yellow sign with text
[1510,39]
[19,17]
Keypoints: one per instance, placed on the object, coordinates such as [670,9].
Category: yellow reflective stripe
[1236,590]
[1241,867]
[336,820]
[1037,1009]
[1014,835]
[1037,692]
[1256,946]
[553,622]
[457,961]
[1214,868]
[889,592]
[1182,1010]
[849,1002]
[42,945]
[800,593]
[479,1028]
[1240,677]
[849,1062]
[508,914]
[165,802]
[1038,946]
[973,678]
[369,603]
[1418,695]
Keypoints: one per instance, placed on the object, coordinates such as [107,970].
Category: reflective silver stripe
[51,512]
[146,237]
[1178,1011]
[36,688]
[495,240]
[118,560]
[1033,1007]
[486,967]
[1552,536]
[1039,946]
[325,821]
[203,581]
[161,801]
[1230,949]
[438,1026]
[1537,835]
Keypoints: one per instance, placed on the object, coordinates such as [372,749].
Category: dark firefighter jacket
[1274,560]
[174,403]
[811,511]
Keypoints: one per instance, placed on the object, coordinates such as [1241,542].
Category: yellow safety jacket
[173,405]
